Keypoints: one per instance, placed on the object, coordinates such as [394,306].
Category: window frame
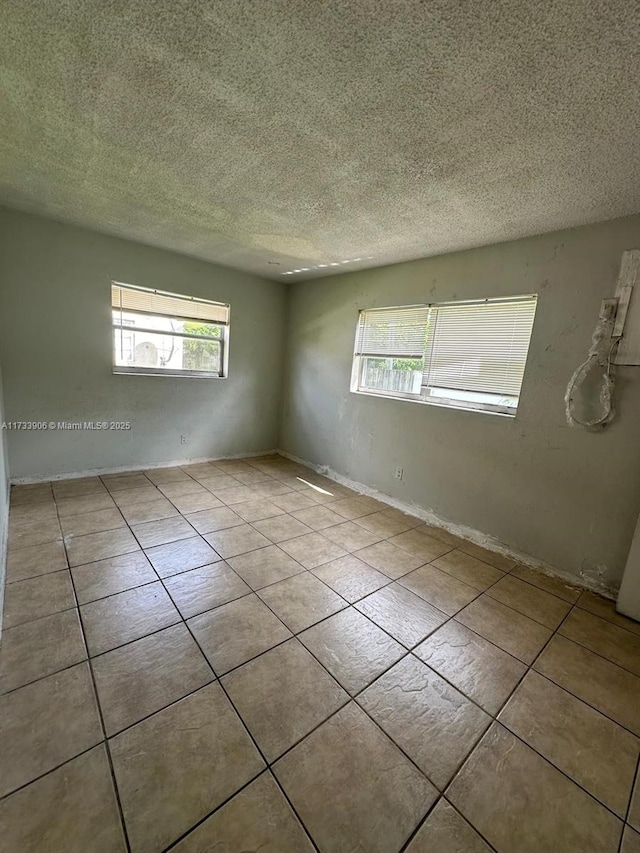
[138,370]
[504,409]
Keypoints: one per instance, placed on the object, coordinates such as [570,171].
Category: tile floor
[245,655]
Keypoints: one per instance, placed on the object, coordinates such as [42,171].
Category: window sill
[440,403]
[185,374]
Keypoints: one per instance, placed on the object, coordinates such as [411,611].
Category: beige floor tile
[590,748]
[236,540]
[441,534]
[351,507]
[411,520]
[167,475]
[25,533]
[281,528]
[46,815]
[634,808]
[175,767]
[445,831]
[318,497]
[265,566]
[203,589]
[282,695]
[541,606]
[236,632]
[180,556]
[440,589]
[122,482]
[127,616]
[35,561]
[35,649]
[30,493]
[196,501]
[142,677]
[350,577]
[140,495]
[609,688]
[217,480]
[43,511]
[606,609]
[353,788]
[271,488]
[184,487]
[405,616]
[251,477]
[115,574]
[78,486]
[482,671]
[318,517]
[383,525]
[352,648]
[161,532]
[92,522]
[312,550]
[528,805]
[293,502]
[99,546]
[630,841]
[420,545]
[511,631]
[501,562]
[153,510]
[410,700]
[68,507]
[258,818]
[556,586]
[233,495]
[390,559]
[301,601]
[616,644]
[46,723]
[257,509]
[210,520]
[468,569]
[37,597]
[351,536]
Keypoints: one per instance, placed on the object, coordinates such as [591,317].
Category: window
[163,334]
[468,355]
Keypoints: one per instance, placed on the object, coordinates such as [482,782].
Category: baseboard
[123,469]
[469,533]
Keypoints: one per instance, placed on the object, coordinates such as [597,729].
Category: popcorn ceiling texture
[306,133]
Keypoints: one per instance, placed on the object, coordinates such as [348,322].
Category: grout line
[99,710]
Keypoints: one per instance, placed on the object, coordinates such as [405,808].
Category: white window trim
[125,370]
[502,409]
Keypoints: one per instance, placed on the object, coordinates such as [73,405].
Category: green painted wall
[56,349]
[567,497]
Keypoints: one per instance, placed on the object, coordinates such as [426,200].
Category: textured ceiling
[305,134]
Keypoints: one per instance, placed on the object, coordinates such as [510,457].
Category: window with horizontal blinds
[168,334]
[479,346]
[465,354]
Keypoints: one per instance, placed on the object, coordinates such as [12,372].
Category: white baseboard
[123,469]
[469,533]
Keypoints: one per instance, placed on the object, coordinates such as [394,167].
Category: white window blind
[140,300]
[396,332]
[479,346]
[465,354]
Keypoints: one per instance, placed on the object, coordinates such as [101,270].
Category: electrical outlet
[399,473]
[183,439]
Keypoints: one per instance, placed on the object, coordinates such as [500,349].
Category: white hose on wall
[600,355]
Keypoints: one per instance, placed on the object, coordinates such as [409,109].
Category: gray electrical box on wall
[628,315]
